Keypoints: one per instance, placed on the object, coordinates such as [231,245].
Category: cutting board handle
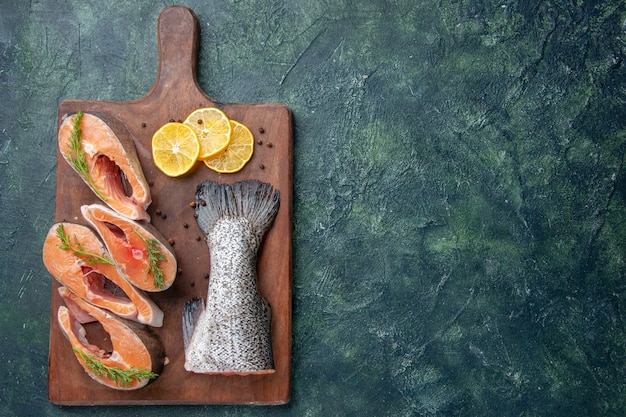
[178,40]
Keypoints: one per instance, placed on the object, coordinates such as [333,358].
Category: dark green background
[460,192]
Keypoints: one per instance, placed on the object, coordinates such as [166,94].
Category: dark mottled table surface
[460,192]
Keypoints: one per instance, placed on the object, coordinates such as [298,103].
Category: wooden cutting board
[175,95]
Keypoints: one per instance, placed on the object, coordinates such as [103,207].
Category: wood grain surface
[173,96]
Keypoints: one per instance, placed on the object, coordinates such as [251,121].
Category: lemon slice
[213,129]
[238,152]
[175,148]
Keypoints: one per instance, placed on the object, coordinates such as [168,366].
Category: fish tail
[191,313]
[252,199]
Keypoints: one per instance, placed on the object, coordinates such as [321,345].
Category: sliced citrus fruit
[212,128]
[175,148]
[238,152]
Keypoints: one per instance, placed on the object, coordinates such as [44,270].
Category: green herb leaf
[77,156]
[154,257]
[78,249]
[122,377]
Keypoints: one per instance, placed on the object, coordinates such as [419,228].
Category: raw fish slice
[137,355]
[91,277]
[138,249]
[231,335]
[111,167]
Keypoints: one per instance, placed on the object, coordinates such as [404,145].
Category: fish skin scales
[232,334]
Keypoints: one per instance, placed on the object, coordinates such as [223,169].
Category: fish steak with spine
[102,151]
[138,249]
[77,259]
[231,335]
[137,355]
